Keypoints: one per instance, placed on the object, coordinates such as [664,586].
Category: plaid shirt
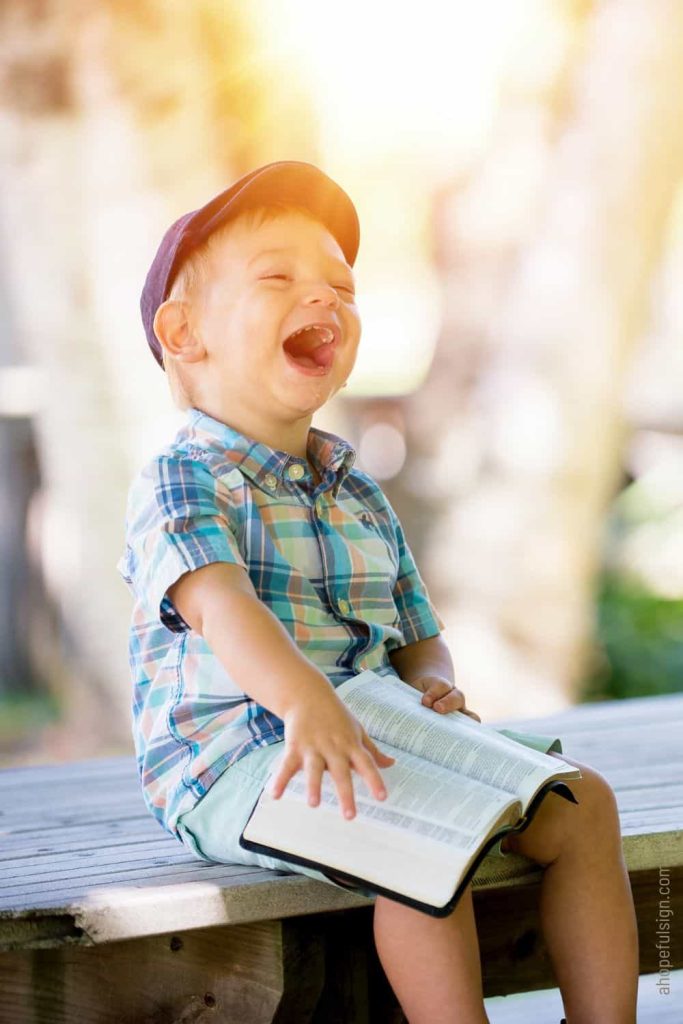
[331,562]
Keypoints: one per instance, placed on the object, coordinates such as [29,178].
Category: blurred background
[517,166]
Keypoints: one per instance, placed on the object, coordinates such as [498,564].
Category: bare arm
[427,665]
[220,603]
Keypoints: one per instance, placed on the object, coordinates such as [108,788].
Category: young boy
[267,569]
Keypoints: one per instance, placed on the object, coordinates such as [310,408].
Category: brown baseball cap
[285,181]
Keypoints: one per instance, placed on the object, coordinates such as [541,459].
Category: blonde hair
[194,272]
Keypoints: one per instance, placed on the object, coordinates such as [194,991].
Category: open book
[457,786]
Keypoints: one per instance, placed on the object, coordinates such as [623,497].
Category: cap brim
[288,181]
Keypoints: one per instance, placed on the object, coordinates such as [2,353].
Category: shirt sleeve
[177,520]
[418,615]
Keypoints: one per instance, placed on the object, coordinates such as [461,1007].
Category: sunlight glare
[404,101]
[381,74]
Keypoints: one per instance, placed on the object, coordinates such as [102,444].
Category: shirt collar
[268,467]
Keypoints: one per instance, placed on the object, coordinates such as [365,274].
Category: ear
[175,333]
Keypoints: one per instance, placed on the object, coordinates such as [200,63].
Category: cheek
[351,324]
[350,355]
[257,337]
[353,340]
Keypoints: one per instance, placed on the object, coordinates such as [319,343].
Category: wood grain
[105,917]
[261,972]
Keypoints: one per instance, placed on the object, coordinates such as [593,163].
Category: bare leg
[432,963]
[586,907]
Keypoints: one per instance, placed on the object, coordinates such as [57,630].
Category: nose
[322,293]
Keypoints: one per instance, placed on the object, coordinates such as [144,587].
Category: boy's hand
[427,665]
[441,695]
[323,734]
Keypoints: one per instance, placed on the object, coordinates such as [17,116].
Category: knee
[560,826]
[597,802]
[593,790]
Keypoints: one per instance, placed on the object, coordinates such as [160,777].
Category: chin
[309,399]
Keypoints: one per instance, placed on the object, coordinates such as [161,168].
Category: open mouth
[312,347]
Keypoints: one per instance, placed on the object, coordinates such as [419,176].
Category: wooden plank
[139,866]
[266,973]
[642,748]
[72,814]
[45,805]
[51,812]
[46,930]
[75,816]
[129,810]
[644,852]
[123,764]
[655,820]
[138,912]
[81,837]
[629,776]
[604,715]
[116,912]
[30,908]
[649,798]
[54,783]
[638,753]
[52,806]
[71,885]
[641,752]
[89,863]
[246,894]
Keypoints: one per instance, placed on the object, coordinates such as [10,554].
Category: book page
[384,856]
[419,841]
[391,712]
[422,798]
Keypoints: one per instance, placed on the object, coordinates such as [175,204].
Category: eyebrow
[272,252]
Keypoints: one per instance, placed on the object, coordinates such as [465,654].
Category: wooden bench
[105,918]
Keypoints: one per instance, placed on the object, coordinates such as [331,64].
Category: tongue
[306,349]
[304,360]
[320,356]
[323,355]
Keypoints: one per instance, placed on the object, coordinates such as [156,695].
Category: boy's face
[266,281]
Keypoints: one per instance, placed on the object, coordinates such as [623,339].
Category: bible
[457,787]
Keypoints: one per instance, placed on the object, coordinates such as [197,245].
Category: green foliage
[640,639]
[639,604]
[21,716]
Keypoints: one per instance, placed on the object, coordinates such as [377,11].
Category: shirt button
[296,471]
[270,480]
[344,607]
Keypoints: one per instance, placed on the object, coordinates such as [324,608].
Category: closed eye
[286,277]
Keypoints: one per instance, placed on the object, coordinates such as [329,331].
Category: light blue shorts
[211,830]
